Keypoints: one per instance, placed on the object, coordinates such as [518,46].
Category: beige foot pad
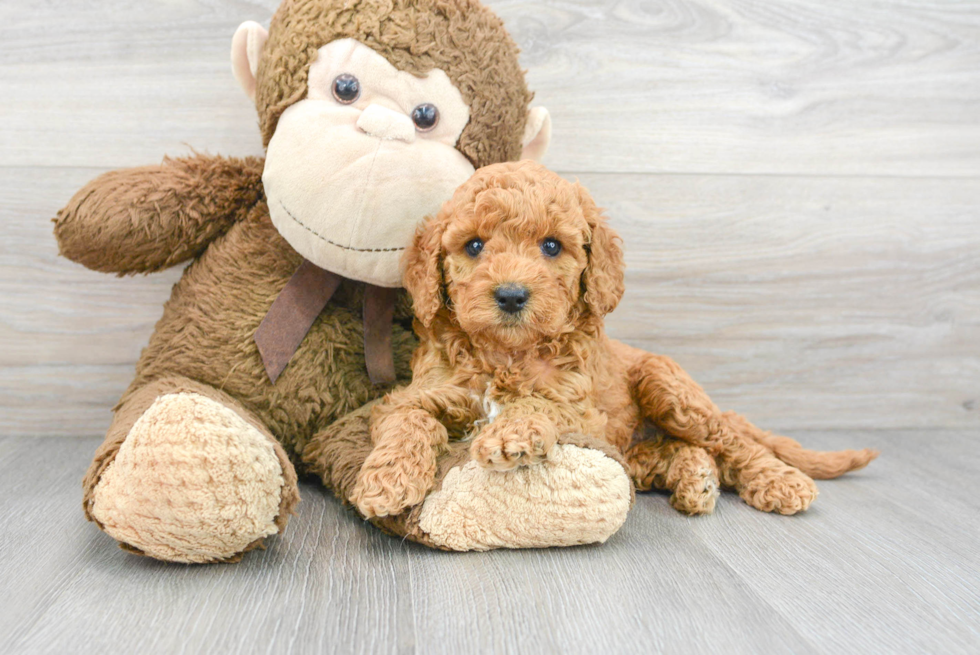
[578,496]
[192,482]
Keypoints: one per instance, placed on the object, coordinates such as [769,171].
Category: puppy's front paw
[401,469]
[787,491]
[508,443]
[386,487]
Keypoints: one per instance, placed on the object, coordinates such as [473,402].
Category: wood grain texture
[788,87]
[696,86]
[816,299]
[807,302]
[896,572]
[885,561]
[801,302]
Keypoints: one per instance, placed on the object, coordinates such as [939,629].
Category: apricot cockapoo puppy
[510,283]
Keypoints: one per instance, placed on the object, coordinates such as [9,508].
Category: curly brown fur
[689,472]
[461,37]
[547,369]
[818,465]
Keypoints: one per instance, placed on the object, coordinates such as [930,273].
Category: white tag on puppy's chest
[490,407]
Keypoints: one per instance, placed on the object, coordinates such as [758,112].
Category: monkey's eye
[551,247]
[425,117]
[346,89]
[474,247]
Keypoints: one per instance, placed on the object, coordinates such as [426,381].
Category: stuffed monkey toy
[289,316]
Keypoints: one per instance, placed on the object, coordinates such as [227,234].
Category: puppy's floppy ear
[603,278]
[423,268]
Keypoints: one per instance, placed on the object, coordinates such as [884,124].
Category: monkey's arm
[147,219]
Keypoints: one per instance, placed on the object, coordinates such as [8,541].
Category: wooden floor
[886,561]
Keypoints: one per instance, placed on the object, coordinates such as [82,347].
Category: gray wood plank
[933,483]
[757,86]
[783,296]
[696,86]
[41,545]
[652,587]
[807,303]
[880,564]
[885,561]
[329,584]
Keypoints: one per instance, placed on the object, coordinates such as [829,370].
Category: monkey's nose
[511,298]
[386,124]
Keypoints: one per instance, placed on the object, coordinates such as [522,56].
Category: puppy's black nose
[511,297]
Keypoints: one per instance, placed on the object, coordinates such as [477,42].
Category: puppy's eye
[551,247]
[346,89]
[474,247]
[425,117]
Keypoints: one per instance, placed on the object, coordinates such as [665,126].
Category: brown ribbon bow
[301,301]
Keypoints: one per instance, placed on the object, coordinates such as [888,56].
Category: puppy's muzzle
[511,298]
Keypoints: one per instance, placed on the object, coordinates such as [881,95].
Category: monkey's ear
[423,268]
[246,50]
[537,134]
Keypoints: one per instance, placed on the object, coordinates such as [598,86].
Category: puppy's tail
[820,465]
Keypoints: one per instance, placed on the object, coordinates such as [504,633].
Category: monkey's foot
[192,482]
[579,495]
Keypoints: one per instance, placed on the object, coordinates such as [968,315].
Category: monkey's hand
[146,219]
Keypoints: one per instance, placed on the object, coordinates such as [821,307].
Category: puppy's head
[519,255]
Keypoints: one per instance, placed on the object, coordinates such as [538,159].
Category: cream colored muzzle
[383,123]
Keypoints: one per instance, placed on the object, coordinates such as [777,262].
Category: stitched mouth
[333,243]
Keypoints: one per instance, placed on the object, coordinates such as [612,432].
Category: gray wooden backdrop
[797,182]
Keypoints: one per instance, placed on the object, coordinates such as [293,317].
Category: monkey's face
[352,168]
[372,115]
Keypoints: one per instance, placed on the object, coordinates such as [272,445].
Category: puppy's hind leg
[689,472]
[676,404]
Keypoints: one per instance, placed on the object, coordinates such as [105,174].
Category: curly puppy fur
[515,381]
